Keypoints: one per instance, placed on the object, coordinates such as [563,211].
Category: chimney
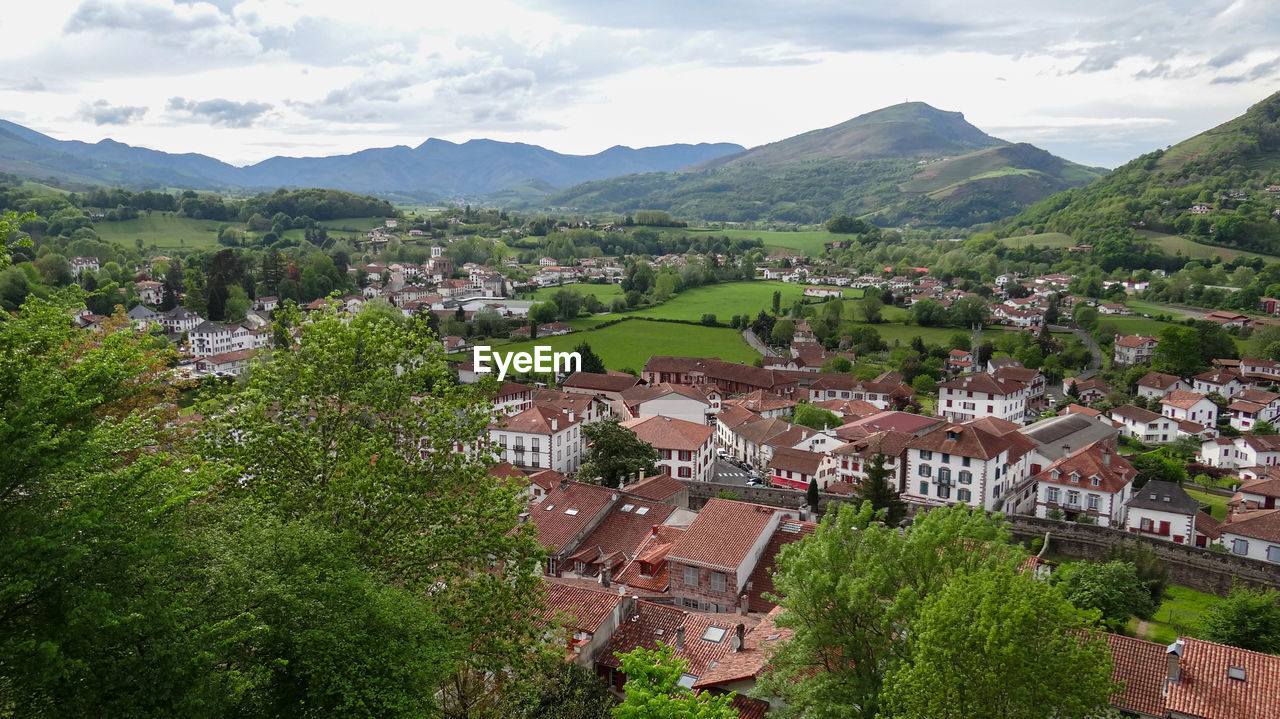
[744,604]
[1106,458]
[571,416]
[524,517]
[680,637]
[1174,656]
[604,577]
[564,484]
[654,531]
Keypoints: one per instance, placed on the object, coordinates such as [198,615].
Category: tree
[876,489]
[591,361]
[837,365]
[1247,618]
[1157,465]
[376,567]
[558,690]
[815,417]
[783,332]
[852,592]
[763,325]
[928,313]
[811,495]
[1085,317]
[1178,352]
[614,453]
[664,287]
[543,312]
[1000,643]
[653,689]
[1263,427]
[924,384]
[871,309]
[1112,588]
[776,304]
[969,310]
[846,225]
[10,236]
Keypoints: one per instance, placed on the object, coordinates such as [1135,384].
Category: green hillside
[909,164]
[1211,189]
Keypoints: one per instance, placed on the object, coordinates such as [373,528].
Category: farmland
[1171,244]
[603,292]
[629,344]
[1044,239]
[809,242]
[167,231]
[722,300]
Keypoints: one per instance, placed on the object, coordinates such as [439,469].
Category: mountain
[908,163]
[1211,188]
[436,167]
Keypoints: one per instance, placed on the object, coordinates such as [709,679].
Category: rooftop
[722,534]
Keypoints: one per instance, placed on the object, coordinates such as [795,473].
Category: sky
[1094,81]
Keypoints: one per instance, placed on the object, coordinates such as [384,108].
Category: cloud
[103,113]
[220,111]
[1257,72]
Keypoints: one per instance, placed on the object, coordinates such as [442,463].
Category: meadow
[166,231]
[1044,239]
[724,300]
[1179,615]
[810,242]
[603,292]
[629,344]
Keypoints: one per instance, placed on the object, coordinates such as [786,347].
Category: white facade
[560,450]
[1251,547]
[1083,497]
[1237,452]
[938,478]
[1203,412]
[962,405]
[1170,526]
[211,338]
[676,406]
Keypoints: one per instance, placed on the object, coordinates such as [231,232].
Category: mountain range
[435,168]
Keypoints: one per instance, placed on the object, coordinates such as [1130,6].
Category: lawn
[604,292]
[723,300]
[810,242]
[629,344]
[1179,615]
[1130,325]
[1044,239]
[1217,503]
[1174,244]
[166,231]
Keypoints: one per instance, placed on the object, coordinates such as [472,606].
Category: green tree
[1157,465]
[969,310]
[999,643]
[614,453]
[776,304]
[837,365]
[1151,569]
[928,313]
[544,312]
[1178,352]
[653,689]
[664,287]
[1085,317]
[1112,588]
[815,417]
[784,330]
[1247,618]
[1263,427]
[811,495]
[591,361]
[561,690]
[878,491]
[10,236]
[871,309]
[852,591]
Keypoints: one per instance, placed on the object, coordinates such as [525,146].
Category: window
[946,458]
[1051,495]
[687,681]
[685,473]
[924,488]
[926,470]
[717,582]
[926,454]
[1073,499]
[1239,546]
[944,492]
[944,475]
[966,477]
[1273,554]
[1094,501]
[666,454]
[691,576]
[641,511]
[628,507]
[964,495]
[964,461]
[686,455]
[1145,525]
[571,512]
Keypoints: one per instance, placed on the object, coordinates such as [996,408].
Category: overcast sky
[242,80]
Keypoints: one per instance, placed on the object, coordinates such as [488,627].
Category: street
[729,474]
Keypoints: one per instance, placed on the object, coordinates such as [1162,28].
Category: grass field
[604,292]
[630,344]
[723,300]
[1217,503]
[1173,244]
[165,231]
[809,242]
[1179,614]
[1044,239]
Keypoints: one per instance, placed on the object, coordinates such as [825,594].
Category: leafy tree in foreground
[1112,588]
[1248,618]
[653,690]
[368,567]
[614,453]
[999,643]
[561,690]
[877,491]
[850,589]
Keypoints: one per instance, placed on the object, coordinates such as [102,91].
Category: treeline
[312,204]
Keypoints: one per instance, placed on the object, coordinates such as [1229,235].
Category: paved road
[759,346]
[1095,360]
[729,474]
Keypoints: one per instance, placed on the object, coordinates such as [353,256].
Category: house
[739,670]
[1193,679]
[795,468]
[711,562]
[1186,406]
[853,458]
[959,361]
[1094,481]
[213,338]
[568,513]
[605,552]
[1221,381]
[1227,319]
[764,404]
[1254,534]
[685,449]
[881,393]
[1157,384]
[823,292]
[149,292]
[1201,209]
[141,317]
[965,463]
[1034,396]
[691,404]
[610,386]
[1134,349]
[179,320]
[1251,406]
[1088,390]
[1060,436]
[226,364]
[512,398]
[547,262]
[972,396]
[1143,425]
[700,640]
[81,264]
[591,617]
[1250,450]
[268,303]
[755,442]
[1259,371]
[730,377]
[1112,308]
[539,437]
[1162,510]
[1258,493]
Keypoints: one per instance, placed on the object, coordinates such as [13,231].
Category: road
[1095,359]
[759,346]
[729,474]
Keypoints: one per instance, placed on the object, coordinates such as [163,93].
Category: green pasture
[631,343]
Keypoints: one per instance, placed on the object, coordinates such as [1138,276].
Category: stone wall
[1192,567]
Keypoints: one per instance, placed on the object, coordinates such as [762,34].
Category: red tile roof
[555,527]
[628,525]
[1112,470]
[1140,666]
[761,579]
[1204,689]
[1134,340]
[600,382]
[1261,524]
[966,440]
[652,623]
[584,610]
[754,656]
[654,554]
[1182,399]
[658,488]
[1137,414]
[670,433]
[732,417]
[984,383]
[887,420]
[537,420]
[1160,380]
[722,534]
[797,460]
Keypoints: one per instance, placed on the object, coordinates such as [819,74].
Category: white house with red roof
[1144,425]
[513,397]
[965,463]
[1162,510]
[1250,450]
[794,468]
[1186,406]
[1157,384]
[972,396]
[1193,679]
[697,404]
[686,449]
[1094,481]
[540,437]
[1225,382]
[1134,349]
[1251,406]
[1254,534]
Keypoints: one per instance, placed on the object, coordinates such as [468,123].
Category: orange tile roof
[751,661]
[652,623]
[722,534]
[654,553]
[1089,462]
[1160,380]
[627,526]
[761,579]
[537,420]
[797,460]
[1140,666]
[968,440]
[1261,524]
[659,487]
[1134,340]
[555,527]
[1182,399]
[586,609]
[671,433]
[1205,690]
[733,417]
